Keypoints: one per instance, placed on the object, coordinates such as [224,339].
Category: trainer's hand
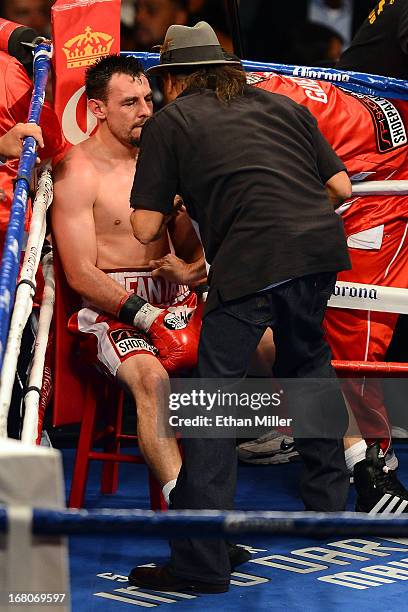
[178,205]
[11,144]
[171,268]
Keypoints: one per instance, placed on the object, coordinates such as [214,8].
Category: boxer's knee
[153,384]
[146,379]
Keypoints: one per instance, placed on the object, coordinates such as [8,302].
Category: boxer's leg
[123,353]
[148,382]
[264,357]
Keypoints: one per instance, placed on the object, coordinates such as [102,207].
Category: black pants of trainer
[229,337]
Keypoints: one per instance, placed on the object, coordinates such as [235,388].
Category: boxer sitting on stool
[130,291]
[108,268]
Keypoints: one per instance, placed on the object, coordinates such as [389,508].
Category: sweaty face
[128,106]
[152,19]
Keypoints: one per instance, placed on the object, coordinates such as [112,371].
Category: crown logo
[84,49]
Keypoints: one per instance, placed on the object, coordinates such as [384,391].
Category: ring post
[14,237]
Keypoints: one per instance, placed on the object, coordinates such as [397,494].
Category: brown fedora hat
[185,46]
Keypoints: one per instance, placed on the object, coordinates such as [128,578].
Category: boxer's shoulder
[78,159]
[75,174]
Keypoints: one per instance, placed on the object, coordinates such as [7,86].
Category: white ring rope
[32,399]
[25,294]
[367,188]
[357,296]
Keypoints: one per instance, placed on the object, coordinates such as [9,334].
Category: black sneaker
[378,489]
[161,579]
[237,555]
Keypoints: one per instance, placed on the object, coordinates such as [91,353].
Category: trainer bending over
[252,168]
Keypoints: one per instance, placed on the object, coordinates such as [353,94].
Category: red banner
[82,32]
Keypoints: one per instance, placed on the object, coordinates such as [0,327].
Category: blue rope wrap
[206,524]
[359,82]
[14,237]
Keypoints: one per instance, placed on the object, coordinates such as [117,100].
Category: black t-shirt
[251,173]
[381,44]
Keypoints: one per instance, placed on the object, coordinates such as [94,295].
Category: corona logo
[84,49]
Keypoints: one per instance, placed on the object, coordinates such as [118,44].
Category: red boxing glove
[174,331]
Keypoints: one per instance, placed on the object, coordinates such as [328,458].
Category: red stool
[83,395]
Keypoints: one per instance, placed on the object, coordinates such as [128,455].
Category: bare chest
[116,245]
[112,207]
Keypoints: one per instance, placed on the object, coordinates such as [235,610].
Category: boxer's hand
[171,268]
[11,144]
[175,334]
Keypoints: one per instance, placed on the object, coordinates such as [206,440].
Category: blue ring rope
[207,524]
[10,262]
[358,82]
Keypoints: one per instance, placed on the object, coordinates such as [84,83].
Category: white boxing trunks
[106,342]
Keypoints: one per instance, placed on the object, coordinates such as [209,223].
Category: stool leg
[110,470]
[80,473]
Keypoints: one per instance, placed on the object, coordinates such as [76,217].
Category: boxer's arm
[73,228]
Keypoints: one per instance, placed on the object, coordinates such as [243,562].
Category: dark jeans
[229,337]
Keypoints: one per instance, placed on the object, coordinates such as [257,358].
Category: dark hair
[98,75]
[228,82]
